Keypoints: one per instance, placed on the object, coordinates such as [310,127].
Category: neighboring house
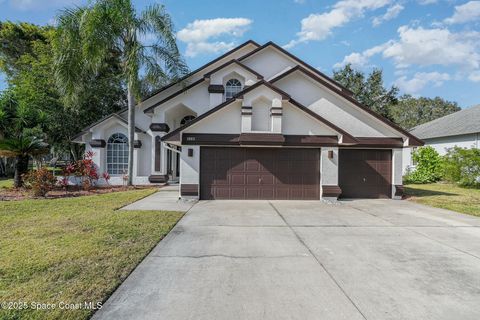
[461,129]
[256,123]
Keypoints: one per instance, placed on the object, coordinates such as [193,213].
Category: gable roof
[296,59]
[348,138]
[199,81]
[413,140]
[258,75]
[249,42]
[461,122]
[115,115]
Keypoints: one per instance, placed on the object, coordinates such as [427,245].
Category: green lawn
[447,196]
[6,183]
[73,249]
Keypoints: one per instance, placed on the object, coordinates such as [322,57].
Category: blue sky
[425,47]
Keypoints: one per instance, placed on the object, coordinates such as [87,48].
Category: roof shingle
[461,122]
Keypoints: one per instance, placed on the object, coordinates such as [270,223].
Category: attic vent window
[232,87]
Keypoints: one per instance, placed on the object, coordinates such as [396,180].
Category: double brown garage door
[259,173]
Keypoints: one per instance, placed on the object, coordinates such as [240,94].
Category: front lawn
[447,196]
[73,250]
[6,183]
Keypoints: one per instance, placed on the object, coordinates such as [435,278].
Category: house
[461,129]
[256,123]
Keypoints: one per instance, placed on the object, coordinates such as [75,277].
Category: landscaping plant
[462,166]
[428,167]
[40,181]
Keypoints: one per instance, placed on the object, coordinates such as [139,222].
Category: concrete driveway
[362,259]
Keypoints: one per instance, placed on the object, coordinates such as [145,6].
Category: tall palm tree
[89,36]
[22,148]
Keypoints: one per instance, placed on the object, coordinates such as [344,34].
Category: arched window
[186,120]
[232,87]
[117,154]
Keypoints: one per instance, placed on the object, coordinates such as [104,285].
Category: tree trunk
[131,133]
[21,167]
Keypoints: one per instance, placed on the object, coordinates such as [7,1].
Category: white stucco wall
[269,62]
[226,120]
[190,166]
[295,121]
[329,167]
[334,108]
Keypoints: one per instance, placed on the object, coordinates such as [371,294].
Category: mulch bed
[22,193]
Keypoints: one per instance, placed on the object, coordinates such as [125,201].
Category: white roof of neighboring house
[461,122]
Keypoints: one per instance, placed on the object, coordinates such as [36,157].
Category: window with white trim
[232,87]
[117,154]
[186,119]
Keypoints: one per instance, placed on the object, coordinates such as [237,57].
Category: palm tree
[89,36]
[22,148]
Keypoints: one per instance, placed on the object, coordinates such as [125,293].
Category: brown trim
[158,178]
[257,139]
[158,158]
[399,191]
[246,113]
[285,96]
[347,138]
[331,191]
[247,107]
[115,115]
[313,141]
[97,143]
[189,190]
[216,88]
[268,139]
[209,139]
[315,70]
[137,144]
[377,142]
[201,68]
[415,142]
[173,95]
[208,74]
[159,127]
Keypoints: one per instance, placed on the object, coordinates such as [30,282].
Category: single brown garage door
[259,173]
[365,173]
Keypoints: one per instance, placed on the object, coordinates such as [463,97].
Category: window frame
[116,161]
[232,89]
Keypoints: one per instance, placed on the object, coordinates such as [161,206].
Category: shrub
[40,181]
[85,169]
[462,166]
[428,166]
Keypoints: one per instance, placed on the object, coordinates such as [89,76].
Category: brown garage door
[365,173]
[259,173]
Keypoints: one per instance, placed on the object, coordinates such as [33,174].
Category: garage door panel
[254,173]
[365,173]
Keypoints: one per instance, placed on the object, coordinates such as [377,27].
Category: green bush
[428,167]
[462,166]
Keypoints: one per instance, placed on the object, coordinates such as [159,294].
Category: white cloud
[420,80]
[359,60]
[199,34]
[467,12]
[425,47]
[318,26]
[391,13]
[426,2]
[474,76]
[434,47]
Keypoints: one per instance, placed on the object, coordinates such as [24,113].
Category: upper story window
[186,120]
[117,154]
[232,87]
